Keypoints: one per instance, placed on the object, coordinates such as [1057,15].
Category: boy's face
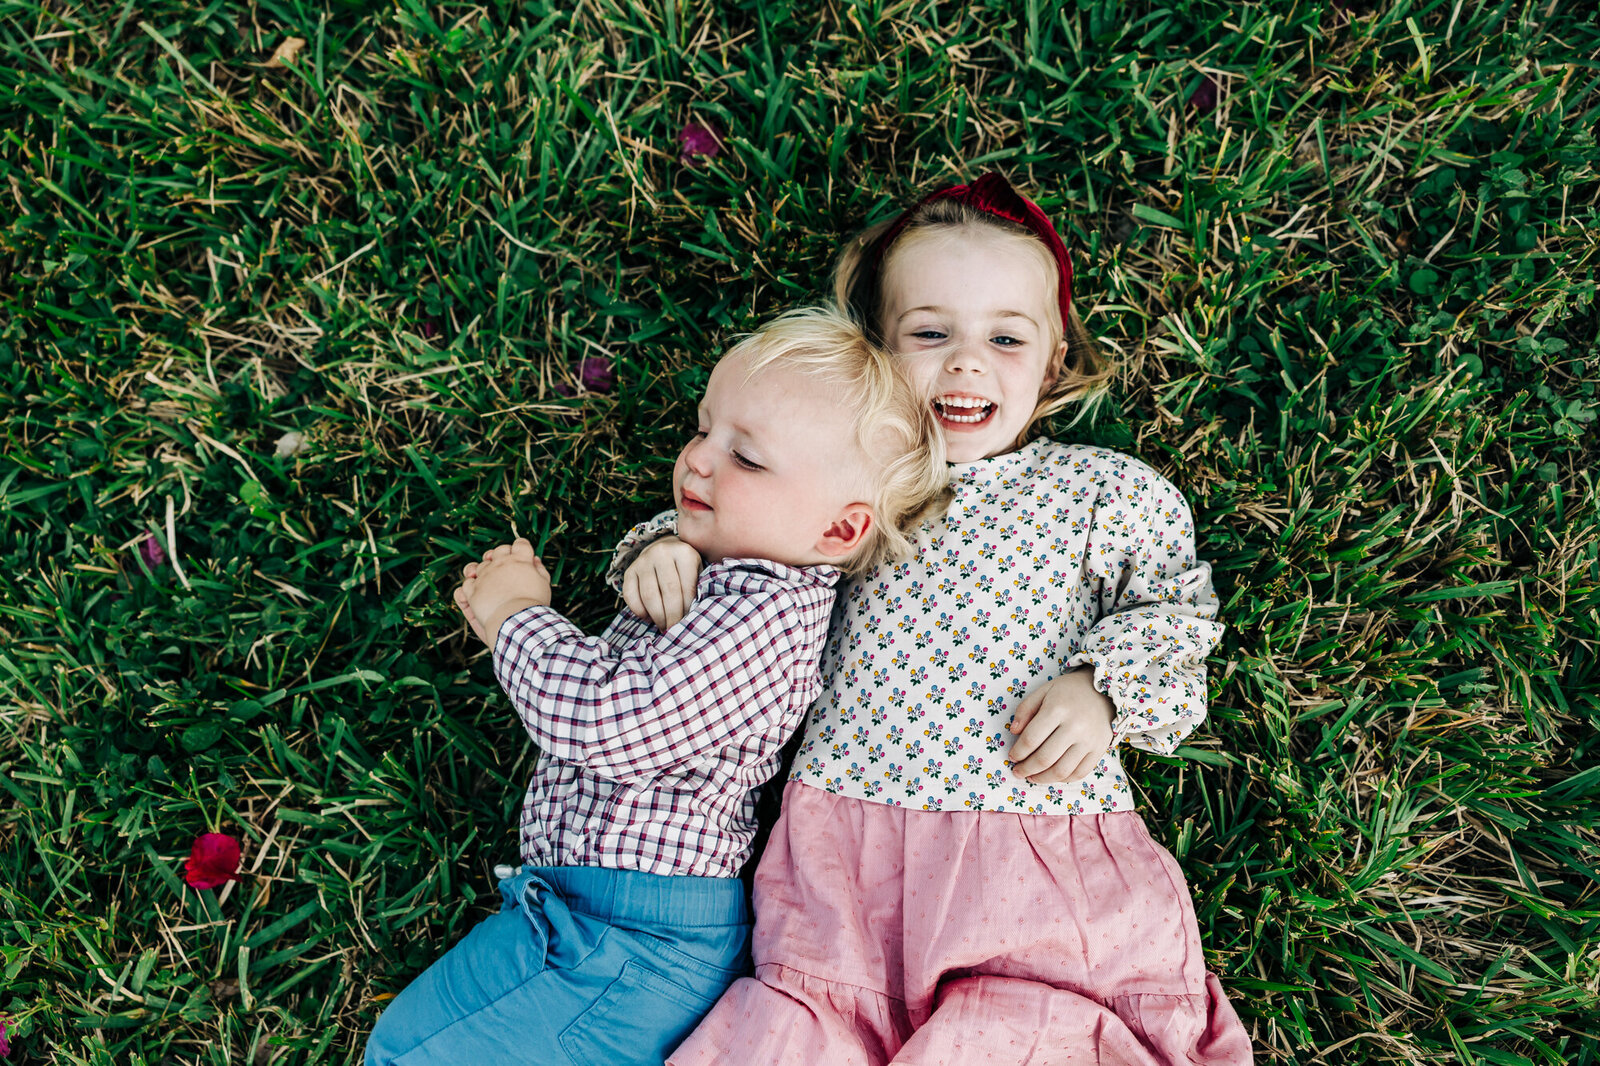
[774,465]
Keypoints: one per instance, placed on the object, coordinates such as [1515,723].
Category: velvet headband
[992,195]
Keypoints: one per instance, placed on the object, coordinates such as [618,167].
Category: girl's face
[969,310]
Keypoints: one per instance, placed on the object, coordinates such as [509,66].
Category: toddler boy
[627,919]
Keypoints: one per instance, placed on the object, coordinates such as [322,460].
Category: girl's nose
[964,357]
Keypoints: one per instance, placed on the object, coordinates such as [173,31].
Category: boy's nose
[697,457]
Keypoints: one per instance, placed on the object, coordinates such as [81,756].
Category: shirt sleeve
[1157,607]
[668,699]
[637,540]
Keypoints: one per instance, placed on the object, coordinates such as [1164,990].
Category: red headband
[992,195]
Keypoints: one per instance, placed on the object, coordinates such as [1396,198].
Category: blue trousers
[582,967]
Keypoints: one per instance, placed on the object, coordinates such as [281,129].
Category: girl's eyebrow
[997,314]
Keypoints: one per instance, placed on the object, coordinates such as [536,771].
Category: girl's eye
[1005,341]
[746,463]
[929,335]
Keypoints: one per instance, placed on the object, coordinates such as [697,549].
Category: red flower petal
[697,139]
[597,373]
[150,548]
[1204,97]
[213,861]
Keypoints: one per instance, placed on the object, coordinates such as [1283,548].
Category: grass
[1355,307]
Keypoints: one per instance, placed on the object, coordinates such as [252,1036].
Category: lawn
[302,305]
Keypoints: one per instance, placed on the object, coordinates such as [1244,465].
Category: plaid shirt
[653,742]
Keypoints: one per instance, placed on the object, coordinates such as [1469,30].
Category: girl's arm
[1157,606]
[637,540]
[656,572]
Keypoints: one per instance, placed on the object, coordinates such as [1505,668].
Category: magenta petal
[213,861]
[698,139]
[1204,97]
[150,548]
[5,1045]
[597,373]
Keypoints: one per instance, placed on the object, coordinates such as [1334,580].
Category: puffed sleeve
[1157,608]
[635,541]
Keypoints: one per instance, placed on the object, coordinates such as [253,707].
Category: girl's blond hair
[1082,368]
[908,479]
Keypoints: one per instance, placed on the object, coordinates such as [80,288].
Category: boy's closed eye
[742,460]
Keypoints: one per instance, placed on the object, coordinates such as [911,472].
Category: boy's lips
[691,502]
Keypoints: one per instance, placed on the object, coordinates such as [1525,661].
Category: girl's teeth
[975,410]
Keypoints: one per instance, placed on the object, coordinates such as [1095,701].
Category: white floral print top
[1050,557]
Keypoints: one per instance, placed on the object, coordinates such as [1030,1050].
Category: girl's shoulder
[1115,474]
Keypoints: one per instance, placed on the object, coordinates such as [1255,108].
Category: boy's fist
[510,578]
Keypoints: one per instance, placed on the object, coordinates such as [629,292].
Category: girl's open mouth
[963,410]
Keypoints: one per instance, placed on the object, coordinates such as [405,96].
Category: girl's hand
[510,578]
[660,583]
[1063,729]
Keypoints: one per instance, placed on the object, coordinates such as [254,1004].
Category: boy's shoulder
[750,575]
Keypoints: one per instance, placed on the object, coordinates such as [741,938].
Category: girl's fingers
[1085,766]
[670,586]
[1047,751]
[1031,730]
[688,567]
[650,595]
[630,595]
[1031,702]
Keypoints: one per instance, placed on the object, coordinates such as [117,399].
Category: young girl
[959,874]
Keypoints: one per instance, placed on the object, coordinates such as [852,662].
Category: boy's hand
[660,583]
[1063,729]
[509,579]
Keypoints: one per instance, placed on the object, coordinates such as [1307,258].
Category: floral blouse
[1050,557]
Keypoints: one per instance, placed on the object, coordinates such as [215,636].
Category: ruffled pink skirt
[892,936]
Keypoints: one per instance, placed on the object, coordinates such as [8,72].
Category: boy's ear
[845,534]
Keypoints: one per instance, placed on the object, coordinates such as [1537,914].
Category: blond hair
[1081,368]
[908,479]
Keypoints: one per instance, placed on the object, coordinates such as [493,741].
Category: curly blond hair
[908,479]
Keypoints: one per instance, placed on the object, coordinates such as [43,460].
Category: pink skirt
[886,935]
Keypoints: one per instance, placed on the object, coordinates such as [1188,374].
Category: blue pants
[582,967]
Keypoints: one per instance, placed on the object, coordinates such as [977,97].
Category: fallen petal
[152,552]
[698,139]
[213,861]
[286,52]
[291,444]
[597,373]
[1204,97]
